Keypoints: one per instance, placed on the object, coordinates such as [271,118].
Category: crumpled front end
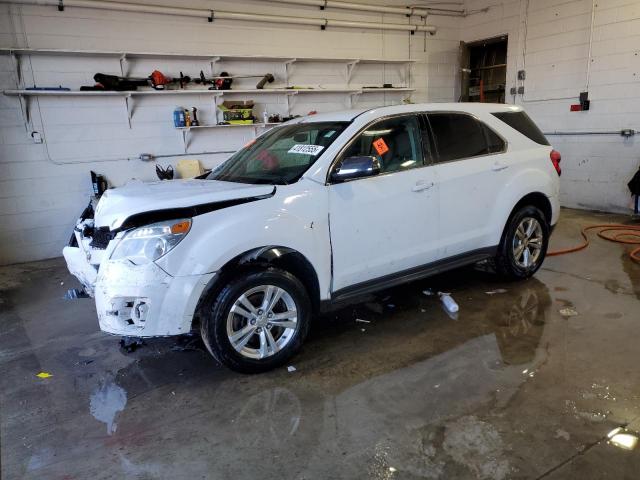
[131,300]
[86,250]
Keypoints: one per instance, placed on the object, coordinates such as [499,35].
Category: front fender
[297,221]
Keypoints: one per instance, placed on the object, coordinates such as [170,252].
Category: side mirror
[355,167]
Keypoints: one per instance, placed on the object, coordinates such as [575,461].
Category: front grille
[101,238]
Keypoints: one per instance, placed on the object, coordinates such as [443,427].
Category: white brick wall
[44,187]
[550,40]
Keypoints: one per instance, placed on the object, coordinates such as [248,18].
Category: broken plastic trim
[153,216]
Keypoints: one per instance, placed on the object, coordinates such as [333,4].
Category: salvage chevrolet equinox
[319,210]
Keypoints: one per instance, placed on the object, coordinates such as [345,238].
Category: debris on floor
[188,343]
[74,293]
[44,375]
[497,290]
[360,320]
[391,305]
[448,302]
[568,312]
[291,368]
[130,344]
[428,292]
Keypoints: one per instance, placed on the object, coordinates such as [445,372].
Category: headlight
[149,243]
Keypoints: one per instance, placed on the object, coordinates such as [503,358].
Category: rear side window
[457,136]
[521,122]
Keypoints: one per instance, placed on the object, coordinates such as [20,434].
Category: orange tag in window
[380,146]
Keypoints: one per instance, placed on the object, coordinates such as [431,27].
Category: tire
[263,339]
[506,263]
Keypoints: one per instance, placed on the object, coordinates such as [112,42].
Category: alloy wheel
[262,321]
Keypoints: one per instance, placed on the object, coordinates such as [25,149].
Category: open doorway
[484,70]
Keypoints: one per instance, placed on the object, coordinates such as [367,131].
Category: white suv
[320,210]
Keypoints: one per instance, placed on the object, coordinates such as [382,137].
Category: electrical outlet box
[37,137]
[522,74]
[521,90]
[513,90]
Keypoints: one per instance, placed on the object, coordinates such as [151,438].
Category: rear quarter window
[521,122]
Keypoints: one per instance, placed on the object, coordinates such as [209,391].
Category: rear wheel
[524,243]
[257,321]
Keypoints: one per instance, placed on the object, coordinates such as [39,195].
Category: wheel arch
[284,258]
[535,199]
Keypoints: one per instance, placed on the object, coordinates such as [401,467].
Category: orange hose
[629,234]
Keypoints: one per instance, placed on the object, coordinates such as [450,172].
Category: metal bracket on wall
[349,70]
[352,98]
[212,65]
[128,102]
[124,65]
[287,66]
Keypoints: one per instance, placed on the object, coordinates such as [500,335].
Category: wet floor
[393,388]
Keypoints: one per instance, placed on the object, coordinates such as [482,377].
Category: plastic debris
[423,310]
[291,368]
[74,293]
[130,344]
[448,302]
[360,320]
[428,292]
[391,305]
[61,283]
[363,329]
[497,290]
[568,312]
[44,375]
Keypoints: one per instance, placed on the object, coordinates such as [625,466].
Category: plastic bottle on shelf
[265,117]
[178,117]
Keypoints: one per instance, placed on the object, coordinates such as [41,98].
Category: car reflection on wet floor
[510,388]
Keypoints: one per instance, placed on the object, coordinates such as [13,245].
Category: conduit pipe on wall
[213,15]
[421,12]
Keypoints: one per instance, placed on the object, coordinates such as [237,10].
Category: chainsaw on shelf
[157,80]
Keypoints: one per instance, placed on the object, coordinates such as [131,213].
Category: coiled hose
[628,234]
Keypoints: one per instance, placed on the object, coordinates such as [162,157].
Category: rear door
[471,168]
[384,224]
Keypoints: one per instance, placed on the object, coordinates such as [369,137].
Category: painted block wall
[43,187]
[551,40]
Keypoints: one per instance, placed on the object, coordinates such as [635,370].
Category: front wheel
[523,245]
[257,321]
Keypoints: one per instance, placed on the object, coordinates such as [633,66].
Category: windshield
[281,155]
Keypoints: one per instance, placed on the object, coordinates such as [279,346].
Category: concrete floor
[509,389]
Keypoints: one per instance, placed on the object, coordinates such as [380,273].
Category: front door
[384,224]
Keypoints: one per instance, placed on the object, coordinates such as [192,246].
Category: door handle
[499,166]
[422,185]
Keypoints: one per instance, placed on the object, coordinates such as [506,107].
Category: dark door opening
[484,70]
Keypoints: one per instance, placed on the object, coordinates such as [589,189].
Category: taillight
[555,159]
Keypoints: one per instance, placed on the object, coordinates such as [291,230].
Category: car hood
[177,196]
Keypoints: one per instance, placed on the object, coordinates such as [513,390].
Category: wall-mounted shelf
[213,60]
[199,56]
[129,95]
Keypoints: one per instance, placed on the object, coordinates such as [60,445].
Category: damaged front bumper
[132,300]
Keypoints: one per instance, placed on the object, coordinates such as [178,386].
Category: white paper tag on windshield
[306,149]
